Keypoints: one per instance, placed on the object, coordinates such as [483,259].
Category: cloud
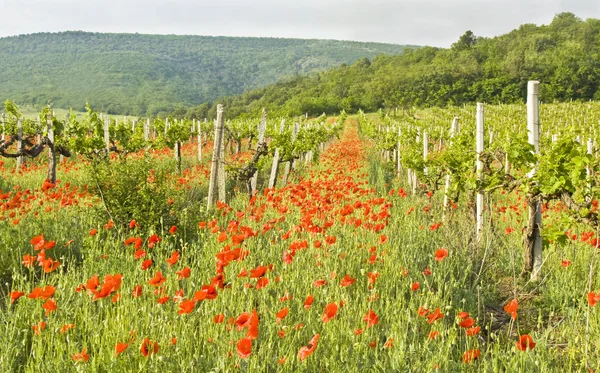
[424,22]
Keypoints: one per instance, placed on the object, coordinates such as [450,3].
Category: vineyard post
[106,133]
[221,174]
[288,165]
[132,125]
[425,149]
[262,126]
[51,151]
[533,254]
[398,164]
[212,186]
[275,166]
[453,132]
[146,129]
[199,141]
[178,155]
[20,158]
[479,149]
[3,126]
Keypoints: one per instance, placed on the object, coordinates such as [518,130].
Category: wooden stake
[453,132]
[51,152]
[262,126]
[212,186]
[289,164]
[479,150]
[275,166]
[20,159]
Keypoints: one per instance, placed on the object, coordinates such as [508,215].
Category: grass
[383,240]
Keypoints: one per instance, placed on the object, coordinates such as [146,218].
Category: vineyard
[455,239]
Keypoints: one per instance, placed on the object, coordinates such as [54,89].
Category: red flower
[146,264]
[137,291]
[471,355]
[184,273]
[173,229]
[49,306]
[435,315]
[473,331]
[371,318]
[347,281]
[525,342]
[282,314]
[244,347]
[305,351]
[565,263]
[93,232]
[441,254]
[186,306]
[157,280]
[83,356]
[330,312]
[173,259]
[511,308]
[15,294]
[467,323]
[415,286]
[308,302]
[148,347]
[593,298]
[120,347]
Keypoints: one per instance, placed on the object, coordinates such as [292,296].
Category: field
[119,265]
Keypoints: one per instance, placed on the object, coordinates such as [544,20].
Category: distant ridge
[140,74]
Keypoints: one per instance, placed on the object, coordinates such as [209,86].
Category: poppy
[371,318]
[525,342]
[244,347]
[186,306]
[330,312]
[305,351]
[146,264]
[148,347]
[389,343]
[463,315]
[15,294]
[184,273]
[66,327]
[219,318]
[173,259]
[132,224]
[120,347]
[467,323]
[309,301]
[441,254]
[37,328]
[433,335]
[262,282]
[137,291]
[347,281]
[473,331]
[319,283]
[511,308]
[173,229]
[93,232]
[49,306]
[471,355]
[153,240]
[282,314]
[258,272]
[415,286]
[158,279]
[83,356]
[565,263]
[435,315]
[358,331]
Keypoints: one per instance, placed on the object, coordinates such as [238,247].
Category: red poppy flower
[146,264]
[173,229]
[120,347]
[282,314]
[184,273]
[244,347]
[473,331]
[148,347]
[49,306]
[371,318]
[525,342]
[347,281]
[219,318]
[471,355]
[83,356]
[435,315]
[305,351]
[511,308]
[173,259]
[137,291]
[330,312]
[186,306]
[158,279]
[415,286]
[258,272]
[565,263]
[319,283]
[15,294]
[433,335]
[441,254]
[309,301]
[93,232]
[467,323]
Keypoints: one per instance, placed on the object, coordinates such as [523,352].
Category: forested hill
[147,74]
[564,56]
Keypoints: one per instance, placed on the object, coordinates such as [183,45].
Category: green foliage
[564,56]
[140,75]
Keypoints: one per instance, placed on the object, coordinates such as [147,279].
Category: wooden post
[166,125]
[275,166]
[453,132]
[398,158]
[199,141]
[3,120]
[20,159]
[479,149]
[262,127]
[147,129]
[533,253]
[107,133]
[221,174]
[51,152]
[178,156]
[289,164]
[212,186]
[425,149]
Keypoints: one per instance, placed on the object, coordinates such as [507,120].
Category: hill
[147,74]
[564,56]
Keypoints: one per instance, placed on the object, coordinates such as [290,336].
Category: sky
[418,22]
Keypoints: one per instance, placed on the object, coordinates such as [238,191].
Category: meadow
[343,268]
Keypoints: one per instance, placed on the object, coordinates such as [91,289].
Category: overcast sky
[422,22]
